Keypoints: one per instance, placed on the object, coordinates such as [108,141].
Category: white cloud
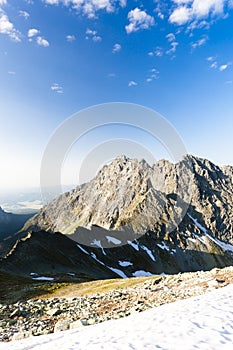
[158,52]
[33,32]
[180,15]
[42,42]
[123,3]
[70,38]
[194,10]
[57,88]
[3,2]
[174,45]
[224,67]
[24,14]
[92,34]
[11,72]
[139,19]
[52,2]
[90,7]
[171,37]
[96,38]
[132,83]
[116,48]
[214,65]
[161,15]
[199,42]
[154,75]
[202,8]
[7,27]
[172,40]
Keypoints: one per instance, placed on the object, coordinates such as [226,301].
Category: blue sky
[59,56]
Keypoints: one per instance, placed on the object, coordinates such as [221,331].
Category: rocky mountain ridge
[133,219]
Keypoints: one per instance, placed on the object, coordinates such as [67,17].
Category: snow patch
[134,245]
[142,273]
[99,245]
[82,249]
[203,229]
[125,263]
[163,246]
[118,272]
[113,240]
[43,278]
[148,251]
[223,245]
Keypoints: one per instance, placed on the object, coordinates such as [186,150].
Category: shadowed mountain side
[50,254]
[54,254]
[11,223]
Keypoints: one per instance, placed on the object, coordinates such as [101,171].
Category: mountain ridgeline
[132,219]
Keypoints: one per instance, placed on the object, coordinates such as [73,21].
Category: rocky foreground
[44,316]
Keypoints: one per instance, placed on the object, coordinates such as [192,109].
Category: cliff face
[131,193]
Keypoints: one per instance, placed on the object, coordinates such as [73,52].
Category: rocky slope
[133,219]
[72,310]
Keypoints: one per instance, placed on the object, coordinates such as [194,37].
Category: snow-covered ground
[204,322]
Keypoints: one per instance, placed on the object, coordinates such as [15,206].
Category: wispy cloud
[132,83]
[90,7]
[158,52]
[154,75]
[199,42]
[57,88]
[70,38]
[111,75]
[116,48]
[139,19]
[210,58]
[214,65]
[24,14]
[171,37]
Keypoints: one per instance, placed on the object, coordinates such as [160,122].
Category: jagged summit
[131,217]
[127,188]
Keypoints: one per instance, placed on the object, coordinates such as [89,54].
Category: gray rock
[53,312]
[76,324]
[21,335]
[62,325]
